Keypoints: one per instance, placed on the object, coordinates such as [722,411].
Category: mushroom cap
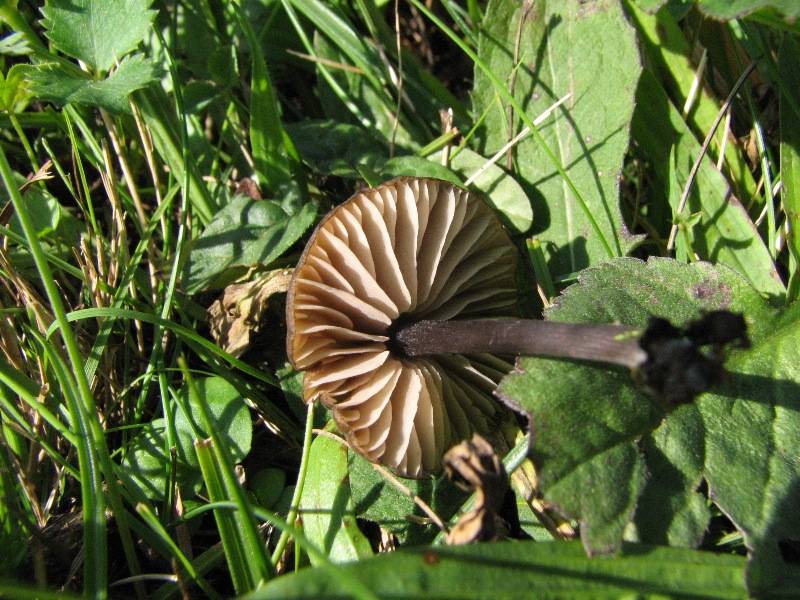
[407,250]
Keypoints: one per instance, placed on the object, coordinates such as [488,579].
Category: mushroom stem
[608,343]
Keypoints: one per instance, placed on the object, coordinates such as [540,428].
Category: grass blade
[789,68]
[244,547]
[502,90]
[276,159]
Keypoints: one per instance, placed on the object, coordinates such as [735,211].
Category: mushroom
[407,251]
[400,311]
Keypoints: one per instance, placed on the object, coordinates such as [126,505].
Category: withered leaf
[474,465]
[238,314]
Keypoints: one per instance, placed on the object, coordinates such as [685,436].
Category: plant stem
[607,343]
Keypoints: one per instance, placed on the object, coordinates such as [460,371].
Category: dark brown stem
[612,344]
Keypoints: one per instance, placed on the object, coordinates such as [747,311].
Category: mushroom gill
[408,250]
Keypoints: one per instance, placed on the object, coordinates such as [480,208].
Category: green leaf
[50,220]
[97,32]
[733,9]
[44,210]
[149,464]
[326,509]
[670,510]
[523,569]
[245,233]
[744,432]
[376,499]
[725,233]
[752,435]
[501,189]
[57,83]
[268,486]
[228,411]
[14,91]
[334,148]
[564,48]
[584,452]
[416,166]
[568,434]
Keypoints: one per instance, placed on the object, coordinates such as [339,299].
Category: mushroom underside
[408,250]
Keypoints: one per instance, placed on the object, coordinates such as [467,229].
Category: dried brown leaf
[474,465]
[238,314]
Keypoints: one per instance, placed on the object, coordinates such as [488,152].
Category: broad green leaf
[148,462]
[245,233]
[62,86]
[97,32]
[744,432]
[416,166]
[376,499]
[51,221]
[523,569]
[733,9]
[44,210]
[584,450]
[326,509]
[228,411]
[335,148]
[725,233]
[789,68]
[501,189]
[590,52]
[591,444]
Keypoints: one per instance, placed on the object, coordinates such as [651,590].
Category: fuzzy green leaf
[63,86]
[97,32]
[670,510]
[588,51]
[556,570]
[752,436]
[744,432]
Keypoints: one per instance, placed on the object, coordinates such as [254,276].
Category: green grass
[126,133]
